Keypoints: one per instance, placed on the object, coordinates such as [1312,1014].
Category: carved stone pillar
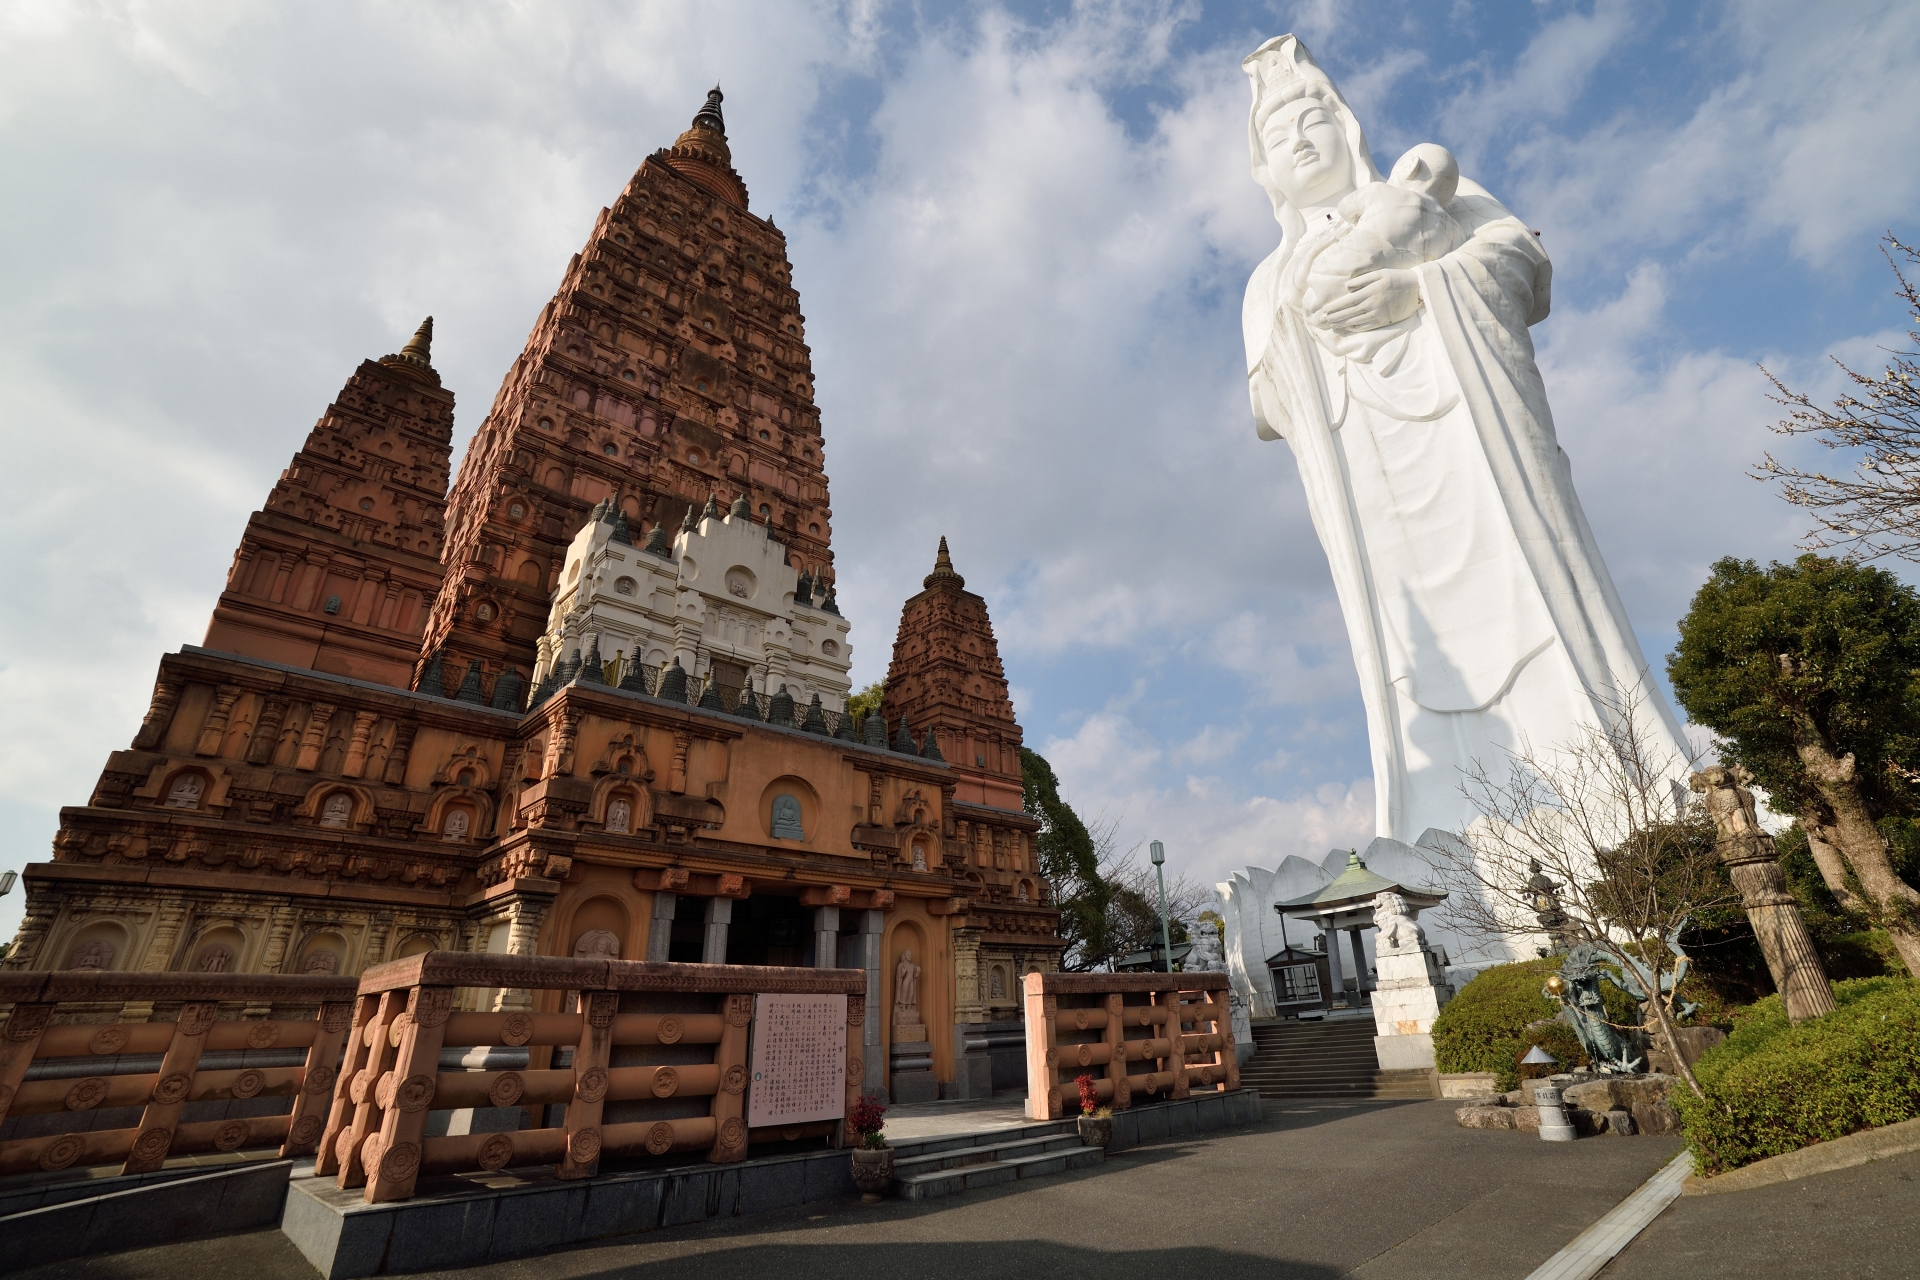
[315,737]
[215,727]
[719,920]
[826,937]
[524,914]
[153,728]
[266,730]
[660,932]
[356,761]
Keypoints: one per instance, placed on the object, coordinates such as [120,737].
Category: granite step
[960,1169]
[937,1183]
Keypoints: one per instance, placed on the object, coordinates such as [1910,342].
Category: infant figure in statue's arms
[1402,222]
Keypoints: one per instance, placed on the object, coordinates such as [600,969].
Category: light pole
[1158,852]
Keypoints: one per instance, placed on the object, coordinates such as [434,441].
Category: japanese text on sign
[798,1060]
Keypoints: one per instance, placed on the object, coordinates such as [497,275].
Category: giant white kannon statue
[1387,344]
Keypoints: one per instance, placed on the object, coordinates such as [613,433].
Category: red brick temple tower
[338,570]
[671,365]
[946,677]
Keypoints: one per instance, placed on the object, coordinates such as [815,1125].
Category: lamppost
[1158,852]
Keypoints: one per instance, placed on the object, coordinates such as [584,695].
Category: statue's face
[1307,152]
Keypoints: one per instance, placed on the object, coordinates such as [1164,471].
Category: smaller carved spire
[621,534]
[844,731]
[709,115]
[469,690]
[688,521]
[710,699]
[943,569]
[803,589]
[673,682]
[903,741]
[657,543]
[748,708]
[420,346]
[830,604]
[873,730]
[742,509]
[780,709]
[769,524]
[593,671]
[508,689]
[633,674]
[932,750]
[712,509]
[816,721]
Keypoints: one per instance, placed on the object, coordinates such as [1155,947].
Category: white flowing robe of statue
[1481,616]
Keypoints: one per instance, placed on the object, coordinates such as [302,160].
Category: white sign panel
[797,1060]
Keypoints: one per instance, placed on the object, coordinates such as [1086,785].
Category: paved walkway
[907,1120]
[1317,1190]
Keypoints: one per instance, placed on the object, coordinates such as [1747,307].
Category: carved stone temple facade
[592,701]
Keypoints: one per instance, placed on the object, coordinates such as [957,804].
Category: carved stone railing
[376,1132]
[34,1034]
[1131,1032]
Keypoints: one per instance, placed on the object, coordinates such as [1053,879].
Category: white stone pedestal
[1411,990]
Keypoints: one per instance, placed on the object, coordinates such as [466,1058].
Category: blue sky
[1020,235]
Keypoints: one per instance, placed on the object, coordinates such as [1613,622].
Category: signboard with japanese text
[797,1060]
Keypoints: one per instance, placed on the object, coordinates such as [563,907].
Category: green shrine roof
[1354,885]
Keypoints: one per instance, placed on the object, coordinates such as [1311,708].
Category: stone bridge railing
[67,1063]
[1135,1033]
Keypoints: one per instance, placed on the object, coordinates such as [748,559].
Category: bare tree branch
[1875,511]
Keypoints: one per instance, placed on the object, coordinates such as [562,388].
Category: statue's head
[1308,147]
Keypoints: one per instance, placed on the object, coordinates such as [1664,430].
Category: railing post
[1115,1036]
[22,1039]
[326,1160]
[856,1065]
[312,1105]
[590,1059]
[405,1092]
[1040,1011]
[170,1090]
[363,1089]
[1177,1061]
[729,1105]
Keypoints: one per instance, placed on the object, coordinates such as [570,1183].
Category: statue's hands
[1373,300]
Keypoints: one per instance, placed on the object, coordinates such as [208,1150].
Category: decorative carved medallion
[195,1019]
[62,1151]
[334,1018]
[666,1082]
[87,1094]
[592,1085]
[517,1029]
[856,1069]
[400,1163]
[231,1136]
[496,1151]
[584,1146]
[263,1035]
[109,1039]
[152,1146]
[856,1010]
[305,1132]
[733,1133]
[28,1021]
[671,1029]
[249,1083]
[430,1006]
[739,1010]
[601,1006]
[319,1079]
[415,1093]
[507,1089]
[172,1088]
[660,1138]
[735,1080]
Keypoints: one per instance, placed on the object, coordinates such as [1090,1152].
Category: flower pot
[1096,1131]
[872,1171]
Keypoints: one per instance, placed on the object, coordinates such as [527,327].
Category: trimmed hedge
[1484,1026]
[1773,1088]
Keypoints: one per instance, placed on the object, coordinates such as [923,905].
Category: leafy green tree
[1808,672]
[1070,862]
[867,701]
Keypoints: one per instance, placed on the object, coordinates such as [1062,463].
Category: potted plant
[1096,1121]
[873,1158]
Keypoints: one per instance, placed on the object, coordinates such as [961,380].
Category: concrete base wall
[1404,1053]
[241,1198]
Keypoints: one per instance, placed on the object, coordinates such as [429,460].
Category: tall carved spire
[946,678]
[672,362]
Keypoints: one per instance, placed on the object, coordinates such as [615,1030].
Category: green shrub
[1483,1028]
[1773,1087]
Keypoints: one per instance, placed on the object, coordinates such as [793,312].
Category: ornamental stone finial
[943,569]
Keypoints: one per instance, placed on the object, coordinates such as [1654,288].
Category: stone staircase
[944,1167]
[1328,1058]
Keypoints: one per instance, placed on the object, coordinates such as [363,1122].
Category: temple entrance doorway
[770,929]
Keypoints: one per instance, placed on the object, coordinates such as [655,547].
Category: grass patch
[1773,1087]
